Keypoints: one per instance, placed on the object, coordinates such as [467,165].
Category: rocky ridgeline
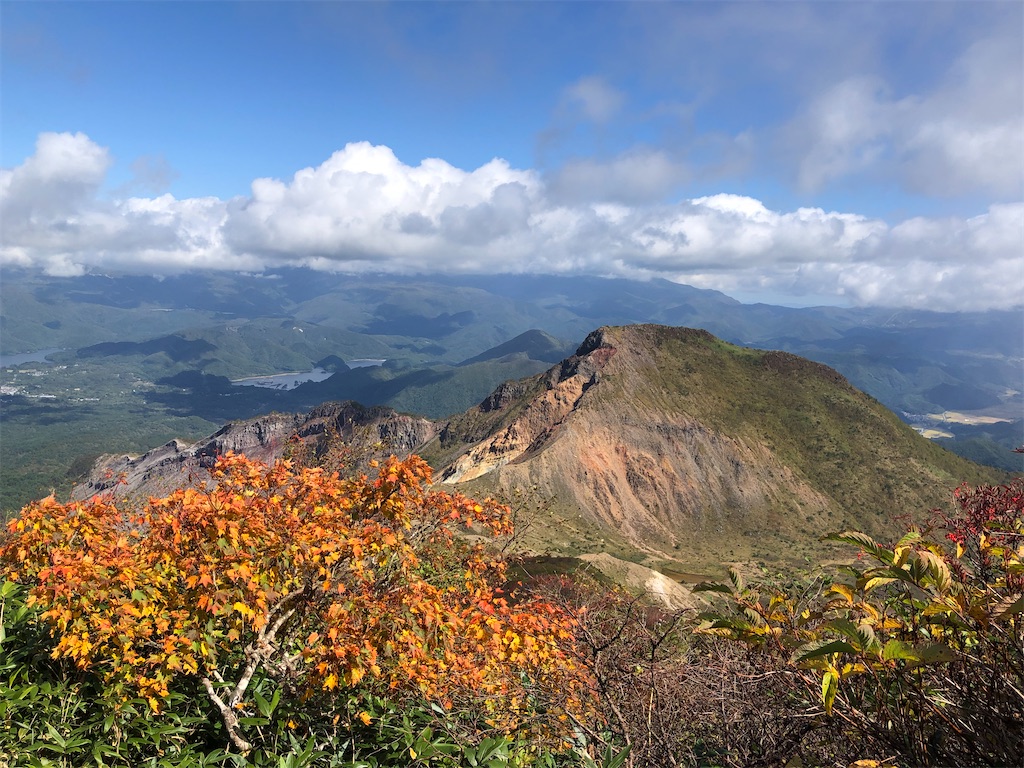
[671,444]
[370,432]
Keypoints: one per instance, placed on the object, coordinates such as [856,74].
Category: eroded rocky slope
[671,443]
[369,431]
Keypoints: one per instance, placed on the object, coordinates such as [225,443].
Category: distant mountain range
[909,359]
[661,445]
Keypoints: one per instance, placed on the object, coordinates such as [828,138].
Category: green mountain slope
[671,444]
[533,344]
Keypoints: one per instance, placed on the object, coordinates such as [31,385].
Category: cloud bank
[363,210]
[962,137]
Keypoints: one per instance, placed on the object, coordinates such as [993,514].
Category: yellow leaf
[829,685]
[844,590]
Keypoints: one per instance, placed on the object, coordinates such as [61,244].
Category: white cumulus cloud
[363,209]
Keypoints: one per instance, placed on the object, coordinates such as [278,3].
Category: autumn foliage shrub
[916,652]
[293,597]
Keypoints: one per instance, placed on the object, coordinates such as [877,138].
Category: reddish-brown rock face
[667,441]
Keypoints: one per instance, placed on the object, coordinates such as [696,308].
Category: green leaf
[897,649]
[829,687]
[929,653]
[936,653]
[262,704]
[614,760]
[737,580]
[848,629]
[55,735]
[275,699]
[862,635]
[253,721]
[820,648]
[865,542]
[908,538]
[737,625]
[868,642]
[756,619]
[937,569]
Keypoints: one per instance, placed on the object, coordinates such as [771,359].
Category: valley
[134,362]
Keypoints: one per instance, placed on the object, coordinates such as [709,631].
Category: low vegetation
[294,616]
[914,651]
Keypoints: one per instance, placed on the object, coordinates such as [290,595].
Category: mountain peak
[535,344]
[651,443]
[671,442]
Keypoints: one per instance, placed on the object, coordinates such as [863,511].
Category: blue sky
[829,152]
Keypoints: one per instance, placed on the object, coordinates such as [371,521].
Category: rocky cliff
[369,431]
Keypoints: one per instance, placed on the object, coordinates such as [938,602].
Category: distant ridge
[534,344]
[371,432]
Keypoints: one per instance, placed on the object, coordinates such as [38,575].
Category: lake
[286,381]
[9,361]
